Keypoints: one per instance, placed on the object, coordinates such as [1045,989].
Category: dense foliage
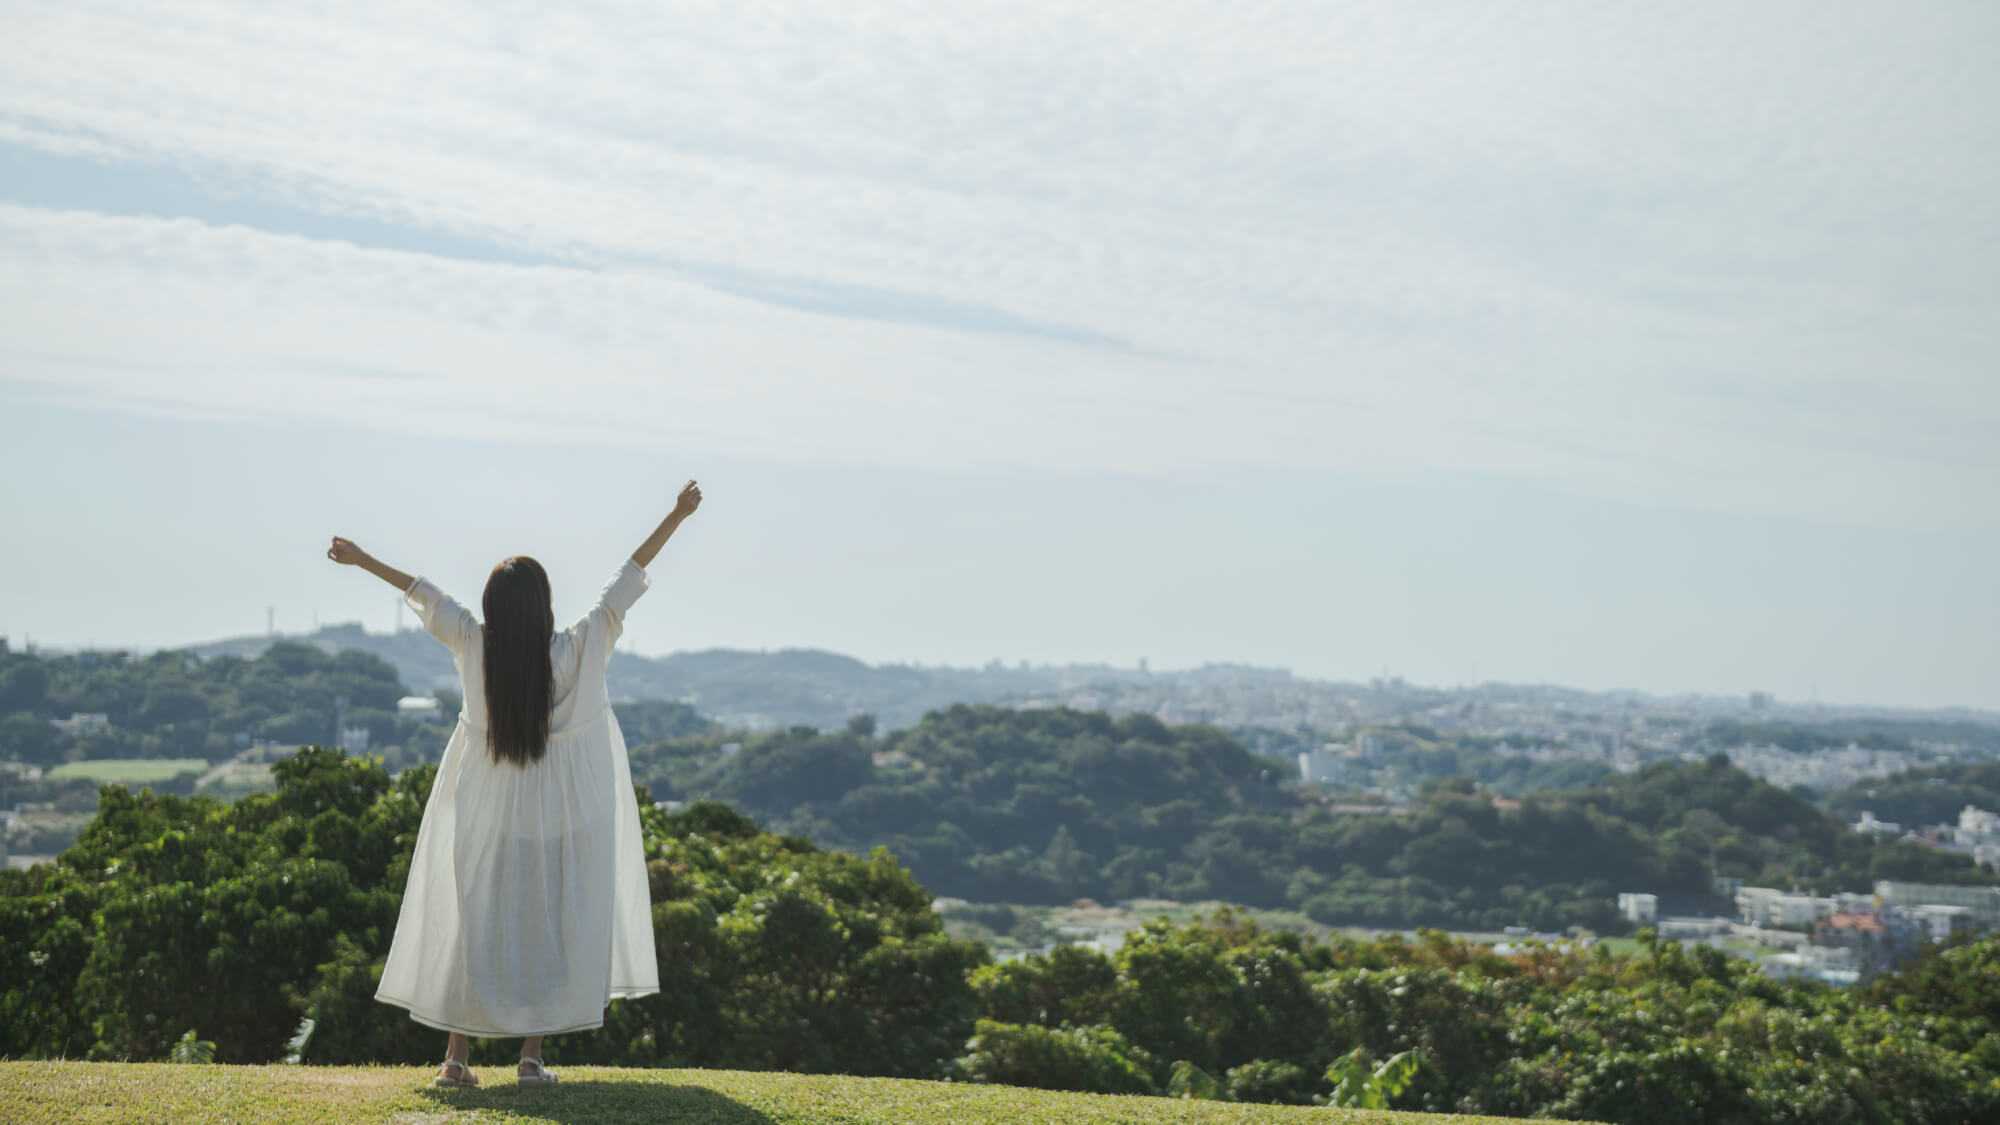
[1868,733]
[177,920]
[1921,797]
[171,705]
[1801,738]
[651,720]
[173,913]
[168,705]
[1669,1036]
[990,804]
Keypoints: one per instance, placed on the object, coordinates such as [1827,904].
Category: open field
[126,771]
[45,831]
[233,779]
[44,1093]
[1035,927]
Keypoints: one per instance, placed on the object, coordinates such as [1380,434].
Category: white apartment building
[1976,825]
[1869,826]
[1941,922]
[418,707]
[1325,763]
[1983,903]
[1768,906]
[81,722]
[1639,907]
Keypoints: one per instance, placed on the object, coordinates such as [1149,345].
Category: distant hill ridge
[765,690]
[742,688]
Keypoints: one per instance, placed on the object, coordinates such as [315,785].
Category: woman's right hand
[684,506]
[345,552]
[687,501]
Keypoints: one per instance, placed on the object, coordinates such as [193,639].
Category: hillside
[260,927]
[766,690]
[1002,806]
[1922,796]
[736,687]
[44,1093]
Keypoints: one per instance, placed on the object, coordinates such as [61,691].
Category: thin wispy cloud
[1727,256]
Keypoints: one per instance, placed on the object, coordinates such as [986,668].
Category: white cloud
[1727,255]
[175,315]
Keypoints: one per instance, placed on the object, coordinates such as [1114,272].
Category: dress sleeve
[443,618]
[617,597]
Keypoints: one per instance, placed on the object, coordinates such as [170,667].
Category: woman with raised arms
[527,910]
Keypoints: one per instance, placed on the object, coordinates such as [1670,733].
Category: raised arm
[347,553]
[684,506]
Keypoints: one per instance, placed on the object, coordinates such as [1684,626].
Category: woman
[527,908]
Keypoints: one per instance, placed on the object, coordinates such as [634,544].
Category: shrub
[1093,1059]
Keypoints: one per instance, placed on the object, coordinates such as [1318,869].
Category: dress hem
[502,1033]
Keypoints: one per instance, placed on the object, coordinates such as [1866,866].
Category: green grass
[43,1093]
[126,771]
[235,779]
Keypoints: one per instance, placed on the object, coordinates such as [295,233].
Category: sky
[1609,346]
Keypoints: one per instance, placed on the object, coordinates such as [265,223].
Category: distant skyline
[1754,701]
[1611,349]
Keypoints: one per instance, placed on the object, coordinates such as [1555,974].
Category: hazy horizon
[410,625]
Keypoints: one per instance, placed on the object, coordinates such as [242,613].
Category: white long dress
[527,908]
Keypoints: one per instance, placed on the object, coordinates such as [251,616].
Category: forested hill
[172,705]
[991,804]
[1919,797]
[995,804]
[740,688]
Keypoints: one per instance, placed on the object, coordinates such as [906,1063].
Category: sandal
[463,1076]
[539,1075]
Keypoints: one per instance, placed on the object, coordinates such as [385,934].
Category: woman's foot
[455,1073]
[533,1073]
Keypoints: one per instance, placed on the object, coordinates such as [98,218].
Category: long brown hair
[519,682]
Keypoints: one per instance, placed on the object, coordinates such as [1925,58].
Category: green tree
[24,685]
[1356,1085]
[188,1049]
[776,954]
[1093,1059]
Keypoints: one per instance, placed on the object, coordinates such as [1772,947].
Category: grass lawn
[235,779]
[126,771]
[43,1093]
